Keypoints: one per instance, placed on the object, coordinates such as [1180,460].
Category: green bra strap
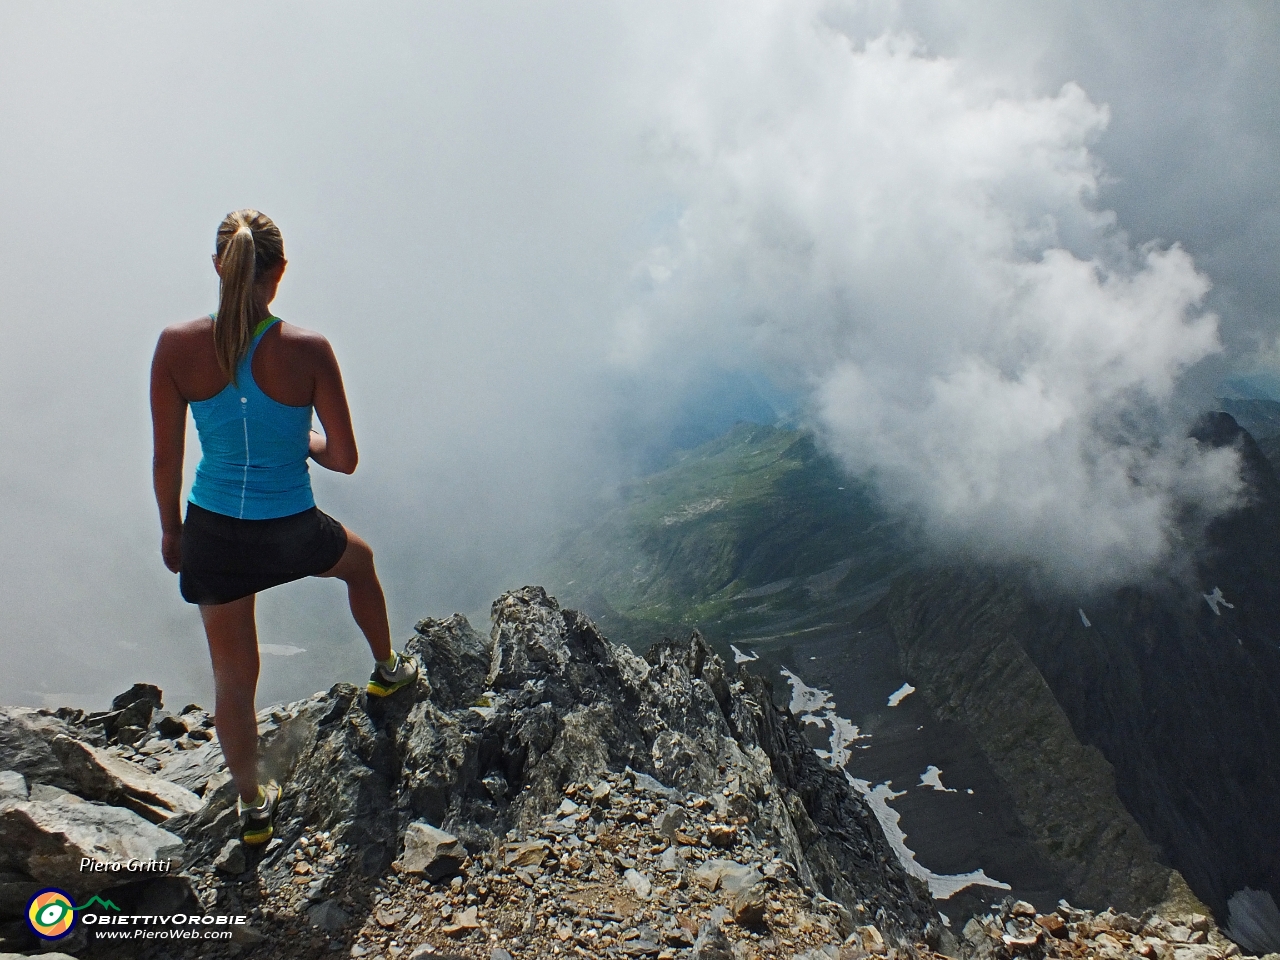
[261,328]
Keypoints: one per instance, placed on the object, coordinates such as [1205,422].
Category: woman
[251,381]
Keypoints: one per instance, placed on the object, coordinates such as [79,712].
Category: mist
[921,242]
[977,247]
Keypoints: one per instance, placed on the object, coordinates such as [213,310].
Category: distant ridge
[759,540]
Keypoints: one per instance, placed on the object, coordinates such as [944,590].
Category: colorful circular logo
[51,914]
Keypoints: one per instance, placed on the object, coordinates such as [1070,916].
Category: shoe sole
[376,689]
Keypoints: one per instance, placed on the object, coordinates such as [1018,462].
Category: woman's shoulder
[185,335]
[294,334]
[299,341]
[189,328]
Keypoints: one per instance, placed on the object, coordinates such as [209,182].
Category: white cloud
[921,244]
[465,192]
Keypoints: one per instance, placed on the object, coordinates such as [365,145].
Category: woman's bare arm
[336,448]
[168,430]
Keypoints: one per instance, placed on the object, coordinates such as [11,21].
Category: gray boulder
[232,858]
[712,944]
[430,852]
[727,875]
[328,916]
[48,840]
[749,905]
[193,769]
[13,786]
[26,745]
[99,776]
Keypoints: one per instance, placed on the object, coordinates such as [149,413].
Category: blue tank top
[254,462]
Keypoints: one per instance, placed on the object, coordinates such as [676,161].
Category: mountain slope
[1162,698]
[751,534]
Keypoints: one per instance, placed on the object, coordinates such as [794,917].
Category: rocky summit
[541,792]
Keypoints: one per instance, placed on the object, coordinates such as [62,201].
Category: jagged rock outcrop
[507,730]
[548,701]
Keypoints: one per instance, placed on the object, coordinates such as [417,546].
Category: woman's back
[283,365]
[255,447]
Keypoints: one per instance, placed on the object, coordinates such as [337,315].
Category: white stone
[638,882]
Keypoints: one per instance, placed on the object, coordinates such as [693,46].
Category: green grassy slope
[750,535]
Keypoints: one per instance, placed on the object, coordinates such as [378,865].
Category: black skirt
[224,558]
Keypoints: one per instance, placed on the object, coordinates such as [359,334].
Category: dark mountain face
[1260,417]
[1185,709]
[962,640]
[1120,735]
[1177,684]
[1181,692]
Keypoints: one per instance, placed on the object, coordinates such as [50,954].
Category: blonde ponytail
[248,245]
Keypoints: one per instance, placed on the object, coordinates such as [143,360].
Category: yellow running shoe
[258,824]
[383,682]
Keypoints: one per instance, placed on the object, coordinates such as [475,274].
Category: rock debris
[542,793]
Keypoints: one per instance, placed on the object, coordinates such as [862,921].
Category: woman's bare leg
[364,594]
[233,647]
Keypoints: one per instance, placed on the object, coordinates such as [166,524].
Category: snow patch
[740,657]
[1083,618]
[804,698]
[691,510]
[1216,599]
[941,886]
[901,694]
[843,734]
[932,777]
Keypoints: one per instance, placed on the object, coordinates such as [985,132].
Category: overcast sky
[970,242]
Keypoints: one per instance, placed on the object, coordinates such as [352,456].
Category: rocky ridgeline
[547,793]
[1015,929]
